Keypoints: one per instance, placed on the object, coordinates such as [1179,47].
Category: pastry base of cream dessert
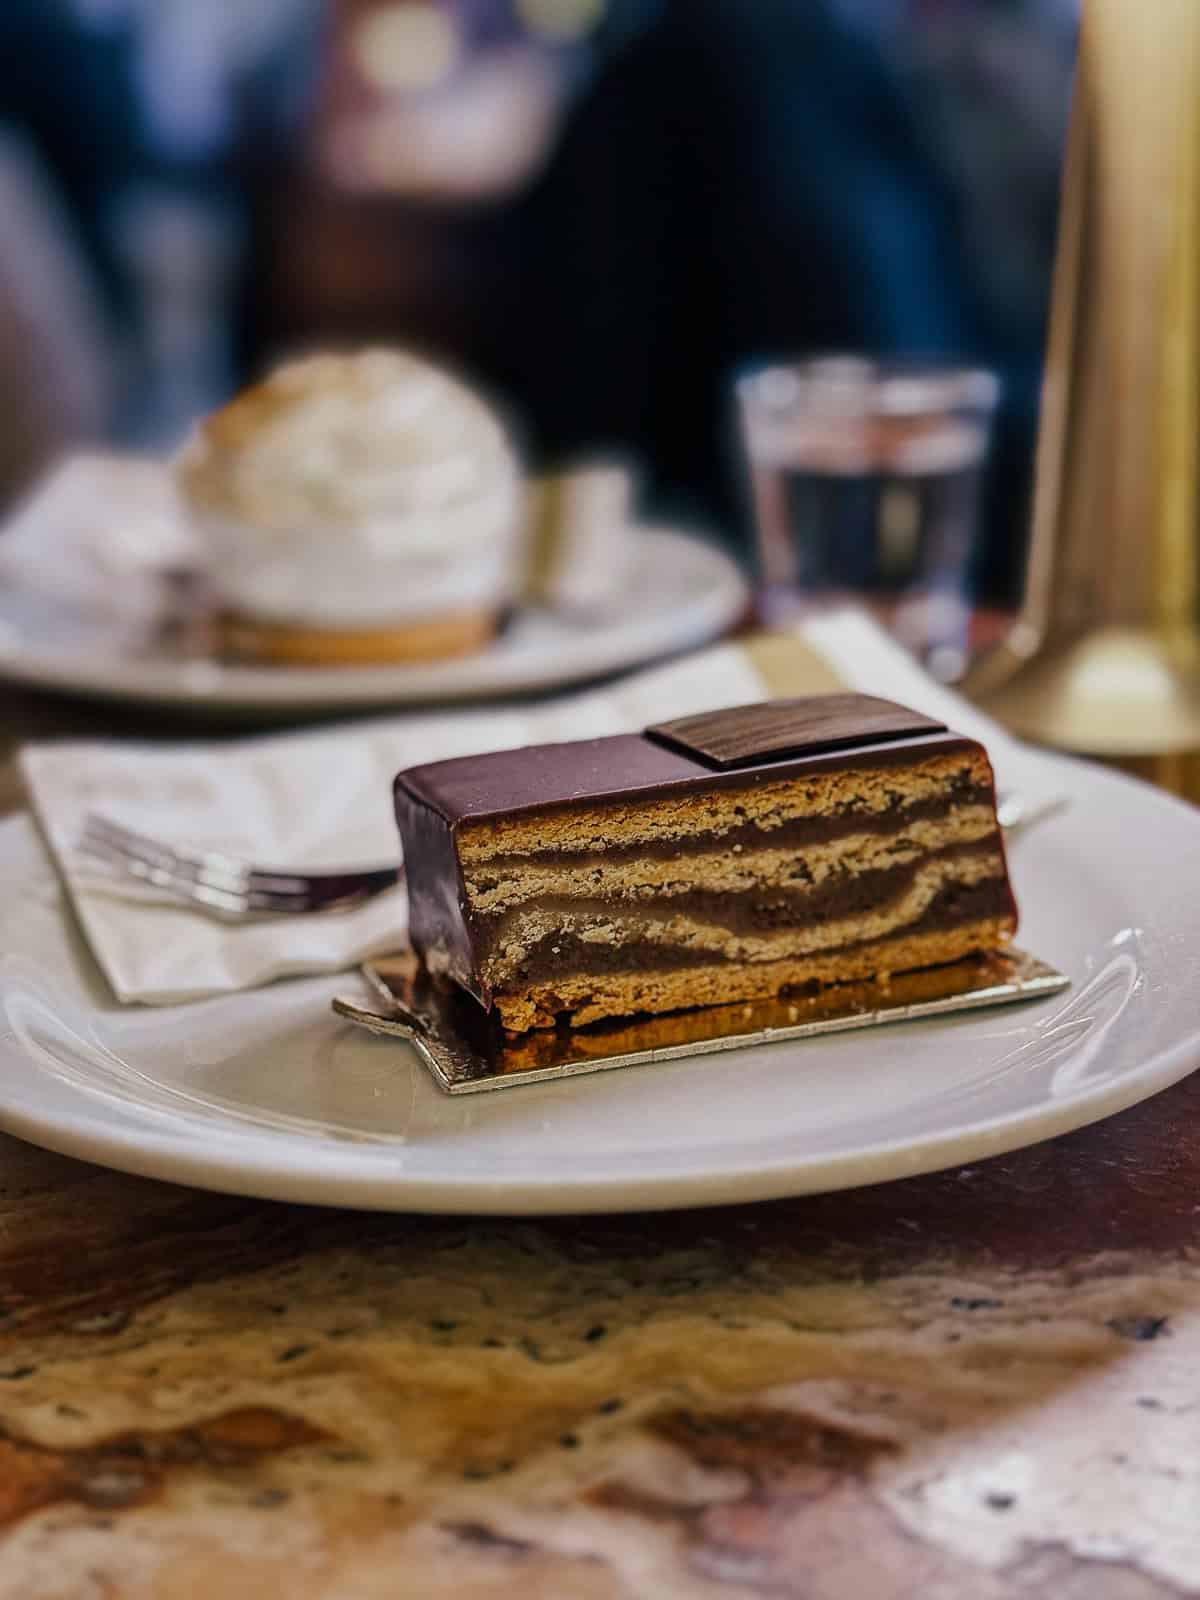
[292,645]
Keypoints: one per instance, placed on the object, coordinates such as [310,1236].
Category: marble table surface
[981,1384]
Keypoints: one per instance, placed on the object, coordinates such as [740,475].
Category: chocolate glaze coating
[633,767]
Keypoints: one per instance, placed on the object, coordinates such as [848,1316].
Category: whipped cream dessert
[356,492]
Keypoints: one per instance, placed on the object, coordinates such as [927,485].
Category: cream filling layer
[726,870]
[683,932]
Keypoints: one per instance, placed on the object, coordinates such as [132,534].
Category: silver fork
[227,885]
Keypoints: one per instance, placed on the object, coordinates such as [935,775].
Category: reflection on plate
[681,593]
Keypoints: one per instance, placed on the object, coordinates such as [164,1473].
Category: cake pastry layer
[299,644]
[728,857]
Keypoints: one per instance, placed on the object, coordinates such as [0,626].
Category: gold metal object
[1105,656]
[466,1055]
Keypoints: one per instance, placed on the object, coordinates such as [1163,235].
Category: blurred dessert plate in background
[107,589]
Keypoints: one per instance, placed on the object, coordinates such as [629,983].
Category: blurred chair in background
[401,211]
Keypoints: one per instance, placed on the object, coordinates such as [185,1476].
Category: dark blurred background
[602,208]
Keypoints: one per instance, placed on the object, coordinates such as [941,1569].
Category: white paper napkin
[323,799]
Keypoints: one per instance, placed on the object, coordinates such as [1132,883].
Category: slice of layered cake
[725,857]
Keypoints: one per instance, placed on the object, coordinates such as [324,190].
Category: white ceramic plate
[269,1094]
[681,593]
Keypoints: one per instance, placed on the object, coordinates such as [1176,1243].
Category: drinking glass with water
[866,479]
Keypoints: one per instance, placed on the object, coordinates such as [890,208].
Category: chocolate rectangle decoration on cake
[744,735]
[717,859]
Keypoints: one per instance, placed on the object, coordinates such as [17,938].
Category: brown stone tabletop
[981,1384]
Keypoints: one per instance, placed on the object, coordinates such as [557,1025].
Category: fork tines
[220,882]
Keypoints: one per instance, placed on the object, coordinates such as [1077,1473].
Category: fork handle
[353,880]
[323,890]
